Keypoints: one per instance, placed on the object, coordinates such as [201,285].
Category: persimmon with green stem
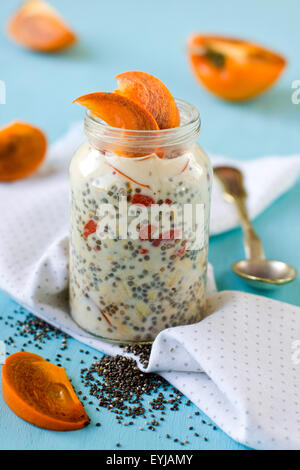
[233,69]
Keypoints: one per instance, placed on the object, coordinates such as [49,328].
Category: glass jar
[131,274]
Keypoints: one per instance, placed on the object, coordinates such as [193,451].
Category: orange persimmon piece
[233,69]
[37,26]
[40,392]
[118,111]
[152,94]
[22,150]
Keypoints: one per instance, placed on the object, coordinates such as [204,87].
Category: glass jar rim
[99,132]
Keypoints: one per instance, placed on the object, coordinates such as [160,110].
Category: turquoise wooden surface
[116,36]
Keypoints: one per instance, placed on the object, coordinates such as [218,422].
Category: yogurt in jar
[129,289]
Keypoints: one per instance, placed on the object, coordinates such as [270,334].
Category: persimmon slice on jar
[118,111]
[37,26]
[152,94]
[22,150]
[233,69]
[40,392]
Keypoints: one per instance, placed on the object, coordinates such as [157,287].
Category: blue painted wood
[116,36]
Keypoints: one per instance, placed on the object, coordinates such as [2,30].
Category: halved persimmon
[37,26]
[22,150]
[118,111]
[40,392]
[233,69]
[152,94]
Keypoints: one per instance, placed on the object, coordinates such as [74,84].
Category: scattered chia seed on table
[116,382]
[121,387]
[35,332]
[141,350]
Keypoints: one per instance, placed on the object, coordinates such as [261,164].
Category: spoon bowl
[264,274]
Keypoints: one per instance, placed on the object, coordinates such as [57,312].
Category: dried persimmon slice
[152,94]
[233,69]
[40,392]
[22,150]
[37,26]
[118,111]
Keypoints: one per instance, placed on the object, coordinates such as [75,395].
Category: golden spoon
[256,269]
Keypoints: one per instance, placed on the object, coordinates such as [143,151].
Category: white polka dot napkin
[238,364]
[241,366]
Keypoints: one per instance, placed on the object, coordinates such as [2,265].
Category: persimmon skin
[37,26]
[30,371]
[118,111]
[248,69]
[22,150]
[152,94]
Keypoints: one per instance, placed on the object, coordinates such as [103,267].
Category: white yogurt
[129,290]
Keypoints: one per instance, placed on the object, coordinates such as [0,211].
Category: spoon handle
[231,180]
